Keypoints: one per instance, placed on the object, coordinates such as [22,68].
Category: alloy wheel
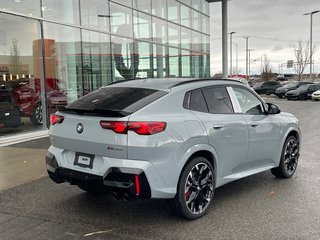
[291,155]
[199,188]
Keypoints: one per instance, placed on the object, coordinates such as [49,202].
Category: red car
[27,96]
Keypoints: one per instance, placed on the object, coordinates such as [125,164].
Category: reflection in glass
[145,58]
[205,24]
[196,42]
[185,38]
[95,14]
[159,8]
[142,25]
[185,63]
[61,10]
[121,20]
[196,4]
[63,59]
[173,62]
[159,61]
[142,5]
[160,29]
[205,7]
[20,74]
[196,20]
[96,60]
[185,16]
[27,7]
[173,34]
[173,11]
[125,55]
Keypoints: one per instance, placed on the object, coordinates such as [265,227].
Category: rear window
[115,101]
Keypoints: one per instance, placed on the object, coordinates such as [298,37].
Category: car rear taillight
[118,127]
[54,118]
[141,128]
[147,128]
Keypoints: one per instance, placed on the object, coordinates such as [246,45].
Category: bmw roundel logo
[80,128]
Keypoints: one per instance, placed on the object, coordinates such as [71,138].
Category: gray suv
[175,139]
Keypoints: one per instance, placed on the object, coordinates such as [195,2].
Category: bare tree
[302,54]
[266,71]
[15,57]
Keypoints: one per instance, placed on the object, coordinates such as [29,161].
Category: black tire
[37,118]
[301,97]
[94,190]
[202,189]
[289,159]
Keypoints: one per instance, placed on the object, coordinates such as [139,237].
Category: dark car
[303,92]
[267,87]
[9,112]
[281,91]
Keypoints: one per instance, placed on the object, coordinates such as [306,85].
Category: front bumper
[315,97]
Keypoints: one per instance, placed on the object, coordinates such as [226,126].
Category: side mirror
[273,109]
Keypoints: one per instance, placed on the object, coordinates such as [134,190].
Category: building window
[159,8]
[27,7]
[142,5]
[160,29]
[142,26]
[185,16]
[61,10]
[121,20]
[95,14]
[173,11]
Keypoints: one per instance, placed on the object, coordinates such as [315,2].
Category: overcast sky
[274,27]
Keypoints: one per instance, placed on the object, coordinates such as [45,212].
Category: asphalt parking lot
[257,207]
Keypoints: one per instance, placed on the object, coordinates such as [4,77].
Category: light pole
[231,33]
[311,52]
[249,52]
[237,60]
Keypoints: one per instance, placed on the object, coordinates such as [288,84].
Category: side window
[218,100]
[249,103]
[197,102]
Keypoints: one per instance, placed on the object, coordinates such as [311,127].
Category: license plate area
[84,160]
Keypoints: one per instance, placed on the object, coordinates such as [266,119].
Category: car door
[227,132]
[265,132]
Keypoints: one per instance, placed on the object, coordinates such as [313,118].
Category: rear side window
[121,101]
[218,100]
[197,102]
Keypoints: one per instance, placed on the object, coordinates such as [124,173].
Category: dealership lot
[257,207]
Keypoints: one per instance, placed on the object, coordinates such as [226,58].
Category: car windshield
[290,85]
[258,84]
[304,87]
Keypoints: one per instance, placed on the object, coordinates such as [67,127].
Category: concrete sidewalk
[21,165]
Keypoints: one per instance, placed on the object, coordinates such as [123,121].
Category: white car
[316,95]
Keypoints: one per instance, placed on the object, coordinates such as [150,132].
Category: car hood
[295,92]
[285,89]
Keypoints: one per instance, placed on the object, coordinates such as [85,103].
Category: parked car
[303,92]
[175,139]
[281,91]
[315,95]
[27,96]
[267,87]
[9,112]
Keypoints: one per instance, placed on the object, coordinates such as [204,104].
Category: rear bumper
[132,182]
[135,178]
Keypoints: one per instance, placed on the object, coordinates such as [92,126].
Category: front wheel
[289,159]
[195,189]
[37,118]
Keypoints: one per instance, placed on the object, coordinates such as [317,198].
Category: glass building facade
[55,51]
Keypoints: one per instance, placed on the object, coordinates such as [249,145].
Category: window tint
[116,99]
[218,100]
[249,103]
[197,102]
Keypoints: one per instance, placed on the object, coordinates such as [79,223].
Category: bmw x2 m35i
[175,139]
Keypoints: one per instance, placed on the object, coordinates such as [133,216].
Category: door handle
[254,124]
[218,126]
